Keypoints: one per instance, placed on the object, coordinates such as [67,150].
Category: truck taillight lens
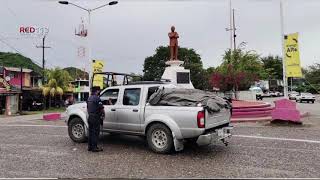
[201,119]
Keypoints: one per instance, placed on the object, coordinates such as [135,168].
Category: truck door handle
[135,110]
[113,109]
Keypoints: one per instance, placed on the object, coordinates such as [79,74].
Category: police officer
[96,113]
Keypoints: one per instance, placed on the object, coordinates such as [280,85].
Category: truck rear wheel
[160,138]
[76,130]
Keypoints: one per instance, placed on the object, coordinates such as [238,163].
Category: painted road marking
[28,178]
[241,136]
[31,125]
[279,139]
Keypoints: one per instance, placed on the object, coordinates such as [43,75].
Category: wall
[242,95]
[26,80]
[14,104]
[16,79]
[247,95]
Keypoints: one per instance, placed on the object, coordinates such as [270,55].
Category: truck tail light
[201,119]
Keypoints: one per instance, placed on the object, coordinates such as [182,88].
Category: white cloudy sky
[123,35]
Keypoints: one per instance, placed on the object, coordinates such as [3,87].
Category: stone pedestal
[177,75]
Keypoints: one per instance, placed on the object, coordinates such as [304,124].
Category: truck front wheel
[159,138]
[76,130]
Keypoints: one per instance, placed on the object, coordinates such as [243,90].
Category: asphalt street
[34,148]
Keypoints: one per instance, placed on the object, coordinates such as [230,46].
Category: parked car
[275,94]
[266,94]
[165,127]
[305,97]
[293,95]
[36,106]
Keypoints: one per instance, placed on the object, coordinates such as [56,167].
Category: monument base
[174,63]
[177,75]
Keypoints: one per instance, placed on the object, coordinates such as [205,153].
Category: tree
[76,73]
[61,76]
[238,70]
[208,72]
[312,74]
[312,78]
[273,67]
[154,66]
[52,90]
[58,83]
[17,60]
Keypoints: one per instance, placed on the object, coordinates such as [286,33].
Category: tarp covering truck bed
[188,97]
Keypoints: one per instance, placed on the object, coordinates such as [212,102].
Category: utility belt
[95,117]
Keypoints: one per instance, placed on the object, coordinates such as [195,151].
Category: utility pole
[43,66]
[232,28]
[234,31]
[43,59]
[230,25]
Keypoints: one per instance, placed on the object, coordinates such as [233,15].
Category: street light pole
[230,25]
[89,51]
[230,29]
[285,84]
[234,31]
[89,31]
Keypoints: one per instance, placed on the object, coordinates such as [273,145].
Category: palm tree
[52,89]
[58,83]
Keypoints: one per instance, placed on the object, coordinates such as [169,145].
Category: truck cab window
[151,91]
[131,97]
[110,97]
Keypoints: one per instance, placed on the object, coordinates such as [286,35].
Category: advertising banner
[97,66]
[292,56]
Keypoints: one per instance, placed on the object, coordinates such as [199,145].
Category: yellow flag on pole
[97,66]
[292,56]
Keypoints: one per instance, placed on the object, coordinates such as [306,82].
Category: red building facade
[12,83]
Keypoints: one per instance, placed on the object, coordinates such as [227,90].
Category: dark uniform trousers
[94,130]
[95,111]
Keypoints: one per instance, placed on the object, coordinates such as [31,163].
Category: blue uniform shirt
[94,105]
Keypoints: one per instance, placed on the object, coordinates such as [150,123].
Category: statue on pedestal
[173,36]
[175,73]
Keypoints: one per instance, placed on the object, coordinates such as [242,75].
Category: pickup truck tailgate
[216,119]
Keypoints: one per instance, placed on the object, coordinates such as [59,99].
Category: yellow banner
[97,66]
[292,55]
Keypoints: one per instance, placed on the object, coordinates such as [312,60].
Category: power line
[17,51]
[11,11]
[18,22]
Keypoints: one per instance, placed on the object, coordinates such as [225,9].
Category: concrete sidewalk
[26,117]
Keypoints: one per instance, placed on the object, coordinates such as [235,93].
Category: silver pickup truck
[127,111]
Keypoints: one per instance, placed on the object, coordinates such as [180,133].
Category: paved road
[34,148]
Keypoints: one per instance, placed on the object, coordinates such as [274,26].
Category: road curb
[261,119]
